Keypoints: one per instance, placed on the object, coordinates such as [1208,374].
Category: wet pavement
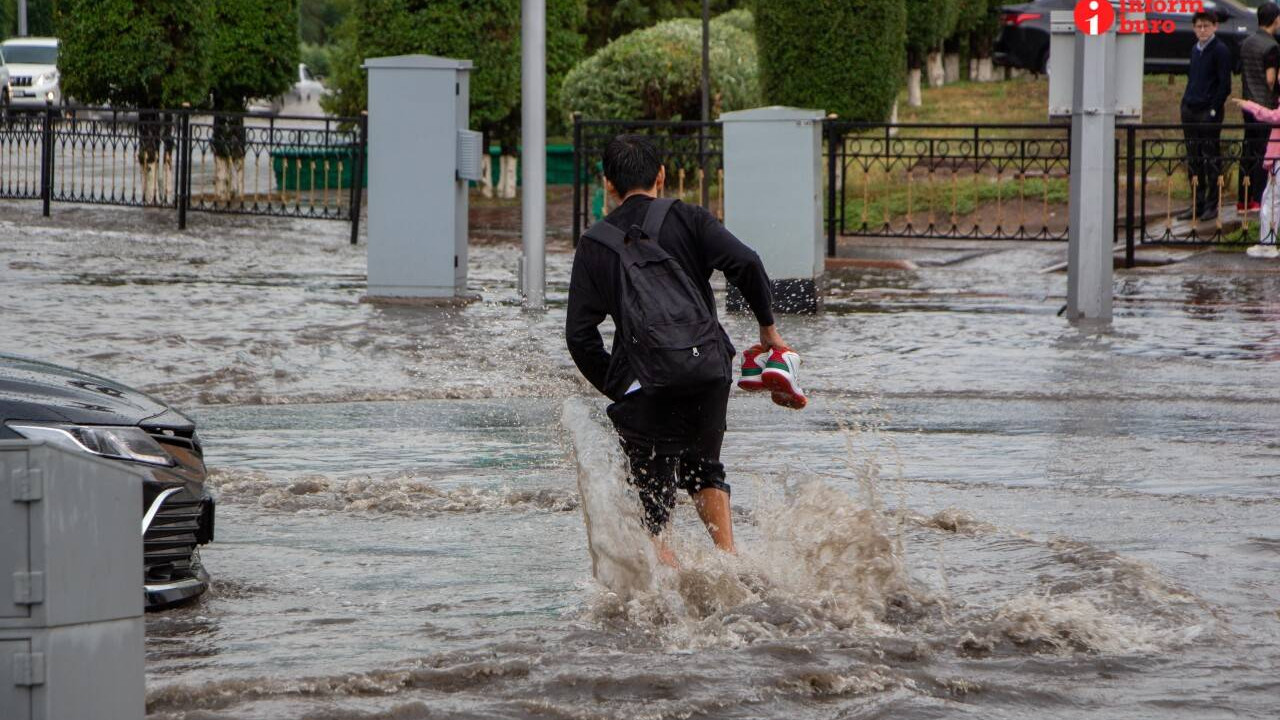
[983,513]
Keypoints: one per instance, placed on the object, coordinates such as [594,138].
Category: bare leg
[713,508]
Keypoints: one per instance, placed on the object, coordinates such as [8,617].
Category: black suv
[1024,34]
[89,414]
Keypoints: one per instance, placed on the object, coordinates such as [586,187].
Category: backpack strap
[608,235]
[656,215]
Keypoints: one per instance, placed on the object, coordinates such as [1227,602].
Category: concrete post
[421,156]
[1093,161]
[773,198]
[533,155]
[71,596]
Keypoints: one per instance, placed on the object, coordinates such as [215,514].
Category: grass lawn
[1026,100]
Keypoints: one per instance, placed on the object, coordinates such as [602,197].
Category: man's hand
[769,338]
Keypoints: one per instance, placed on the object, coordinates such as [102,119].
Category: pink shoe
[779,376]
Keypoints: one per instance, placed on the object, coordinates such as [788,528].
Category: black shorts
[672,443]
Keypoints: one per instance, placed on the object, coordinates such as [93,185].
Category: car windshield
[31,54]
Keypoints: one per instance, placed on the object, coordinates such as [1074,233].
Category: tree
[926,31]
[611,19]
[319,18]
[655,73]
[565,43]
[982,37]
[253,53]
[145,55]
[487,32]
[843,57]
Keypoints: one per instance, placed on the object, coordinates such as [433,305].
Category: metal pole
[706,94]
[577,177]
[1130,149]
[22,18]
[533,154]
[1093,159]
[360,152]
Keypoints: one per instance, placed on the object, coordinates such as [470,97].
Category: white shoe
[1263,251]
[779,375]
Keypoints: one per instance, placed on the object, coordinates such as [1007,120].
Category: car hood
[32,70]
[39,391]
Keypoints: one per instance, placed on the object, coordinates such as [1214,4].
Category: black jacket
[1208,78]
[698,241]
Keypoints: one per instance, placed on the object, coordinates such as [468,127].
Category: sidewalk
[911,254]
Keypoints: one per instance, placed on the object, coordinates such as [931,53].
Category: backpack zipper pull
[696,353]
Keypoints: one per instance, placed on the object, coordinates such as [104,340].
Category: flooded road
[983,513]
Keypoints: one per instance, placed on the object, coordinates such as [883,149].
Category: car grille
[20,81]
[171,538]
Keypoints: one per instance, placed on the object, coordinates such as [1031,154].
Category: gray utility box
[773,198]
[71,601]
[421,157]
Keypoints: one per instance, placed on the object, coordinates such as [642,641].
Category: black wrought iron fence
[1004,182]
[692,152]
[188,160]
[1172,183]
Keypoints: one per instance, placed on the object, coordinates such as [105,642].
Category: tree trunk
[486,178]
[951,67]
[893,120]
[913,88]
[507,177]
[937,75]
[986,70]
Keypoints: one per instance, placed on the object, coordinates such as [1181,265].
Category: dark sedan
[1024,34]
[90,414]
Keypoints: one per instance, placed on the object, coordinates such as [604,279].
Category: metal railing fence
[188,160]
[973,182]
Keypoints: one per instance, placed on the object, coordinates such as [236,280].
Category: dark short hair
[1267,13]
[631,162]
[1204,15]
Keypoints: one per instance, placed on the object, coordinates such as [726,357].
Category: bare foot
[666,555]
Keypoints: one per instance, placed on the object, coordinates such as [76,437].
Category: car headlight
[121,443]
[48,78]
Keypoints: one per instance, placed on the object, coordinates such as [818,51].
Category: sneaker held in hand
[753,359]
[779,376]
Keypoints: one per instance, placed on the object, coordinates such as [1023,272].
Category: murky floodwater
[984,513]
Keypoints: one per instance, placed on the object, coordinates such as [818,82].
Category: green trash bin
[319,167]
[559,165]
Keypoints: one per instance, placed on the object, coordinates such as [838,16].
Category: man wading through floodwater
[648,266]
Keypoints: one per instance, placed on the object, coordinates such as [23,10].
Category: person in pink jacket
[1269,214]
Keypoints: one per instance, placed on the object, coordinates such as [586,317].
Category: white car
[32,70]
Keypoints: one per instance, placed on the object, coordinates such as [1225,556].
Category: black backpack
[673,339]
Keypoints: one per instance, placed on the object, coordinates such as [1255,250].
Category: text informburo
[1152,7]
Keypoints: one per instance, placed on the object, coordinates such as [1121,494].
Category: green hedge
[846,57]
[655,73]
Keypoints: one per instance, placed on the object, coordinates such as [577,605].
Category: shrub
[655,73]
[844,57]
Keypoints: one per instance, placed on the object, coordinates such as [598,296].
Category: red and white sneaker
[752,369]
[779,376]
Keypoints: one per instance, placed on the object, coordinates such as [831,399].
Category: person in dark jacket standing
[1259,61]
[671,440]
[1208,85]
